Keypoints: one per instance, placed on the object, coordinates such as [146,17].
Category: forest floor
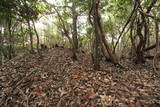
[55,80]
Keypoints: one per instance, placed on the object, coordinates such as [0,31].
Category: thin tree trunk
[112,41]
[157,36]
[1,57]
[132,40]
[156,63]
[145,33]
[23,38]
[36,35]
[65,31]
[10,39]
[128,21]
[148,39]
[31,36]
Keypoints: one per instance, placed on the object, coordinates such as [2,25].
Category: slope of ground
[55,80]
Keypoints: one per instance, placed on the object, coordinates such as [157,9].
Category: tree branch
[129,19]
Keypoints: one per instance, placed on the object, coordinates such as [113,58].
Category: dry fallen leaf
[59,104]
[94,96]
[76,77]
[106,99]
[82,87]
[77,83]
[39,93]
[63,92]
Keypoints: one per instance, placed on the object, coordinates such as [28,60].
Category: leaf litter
[55,80]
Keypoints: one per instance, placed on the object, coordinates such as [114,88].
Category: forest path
[56,80]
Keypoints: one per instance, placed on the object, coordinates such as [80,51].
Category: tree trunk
[156,60]
[74,32]
[148,39]
[112,56]
[96,44]
[101,32]
[139,49]
[10,38]
[36,36]
[1,43]
[112,41]
[128,21]
[142,38]
[23,38]
[66,33]
[31,36]
[133,46]
[157,36]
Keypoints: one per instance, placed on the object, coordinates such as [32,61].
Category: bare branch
[129,19]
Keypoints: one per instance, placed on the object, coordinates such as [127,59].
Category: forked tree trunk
[98,26]
[66,33]
[112,56]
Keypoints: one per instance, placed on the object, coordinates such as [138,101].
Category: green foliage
[21,48]
[119,70]
[57,37]
[110,26]
[82,40]
[89,30]
[158,19]
[146,3]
